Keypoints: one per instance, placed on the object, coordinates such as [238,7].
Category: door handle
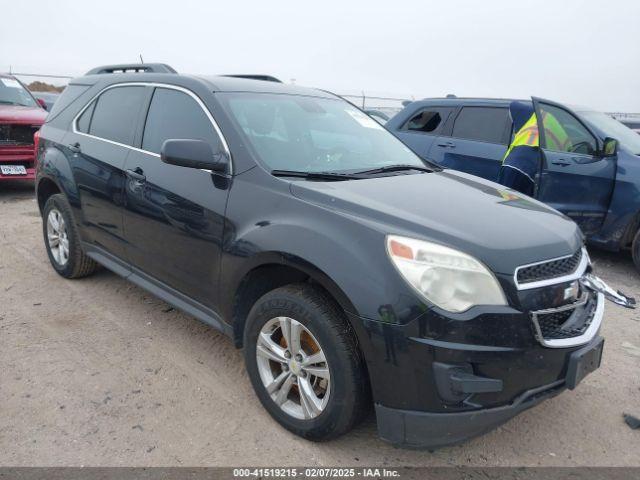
[561,162]
[584,160]
[447,144]
[75,147]
[137,175]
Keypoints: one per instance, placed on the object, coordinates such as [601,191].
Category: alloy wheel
[293,368]
[57,237]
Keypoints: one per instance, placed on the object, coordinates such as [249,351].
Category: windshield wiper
[316,175]
[395,168]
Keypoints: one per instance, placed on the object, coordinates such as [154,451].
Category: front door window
[565,133]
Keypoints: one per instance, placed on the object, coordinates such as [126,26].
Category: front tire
[304,364]
[62,240]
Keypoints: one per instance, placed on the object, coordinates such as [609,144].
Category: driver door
[575,178]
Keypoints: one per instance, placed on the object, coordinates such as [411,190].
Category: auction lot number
[316,472]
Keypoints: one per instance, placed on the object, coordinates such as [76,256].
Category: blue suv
[601,192]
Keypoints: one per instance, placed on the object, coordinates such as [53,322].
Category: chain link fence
[388,105]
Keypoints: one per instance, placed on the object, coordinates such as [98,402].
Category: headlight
[450,279]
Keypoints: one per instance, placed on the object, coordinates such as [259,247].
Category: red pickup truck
[21,116]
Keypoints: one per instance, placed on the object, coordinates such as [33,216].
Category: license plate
[584,361]
[13,170]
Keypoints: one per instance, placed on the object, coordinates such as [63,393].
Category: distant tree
[38,86]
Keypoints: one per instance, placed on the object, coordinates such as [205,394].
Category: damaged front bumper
[596,284]
[417,429]
[471,380]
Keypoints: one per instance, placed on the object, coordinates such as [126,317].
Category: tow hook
[596,284]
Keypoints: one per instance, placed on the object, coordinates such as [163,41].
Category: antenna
[141,60]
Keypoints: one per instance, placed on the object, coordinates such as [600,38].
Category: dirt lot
[98,372]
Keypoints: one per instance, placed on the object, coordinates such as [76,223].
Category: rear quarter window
[84,120]
[485,124]
[70,94]
[427,120]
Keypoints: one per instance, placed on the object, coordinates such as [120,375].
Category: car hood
[20,114]
[499,226]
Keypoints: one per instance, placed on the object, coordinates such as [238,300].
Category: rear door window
[485,124]
[428,120]
[174,114]
[116,113]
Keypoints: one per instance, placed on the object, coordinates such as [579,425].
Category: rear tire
[62,240]
[317,400]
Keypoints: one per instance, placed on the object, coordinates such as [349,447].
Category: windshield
[627,138]
[309,134]
[13,93]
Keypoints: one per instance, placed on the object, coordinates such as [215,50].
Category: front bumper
[31,175]
[416,429]
[18,155]
[442,379]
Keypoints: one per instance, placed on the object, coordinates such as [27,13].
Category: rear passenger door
[98,145]
[420,130]
[476,143]
[174,217]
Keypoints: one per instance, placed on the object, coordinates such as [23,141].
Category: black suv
[350,271]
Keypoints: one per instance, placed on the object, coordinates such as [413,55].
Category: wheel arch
[54,168]
[45,188]
[632,228]
[272,270]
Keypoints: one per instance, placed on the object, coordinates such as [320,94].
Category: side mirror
[42,103]
[609,147]
[193,154]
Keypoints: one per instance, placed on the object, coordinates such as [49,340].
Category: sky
[577,52]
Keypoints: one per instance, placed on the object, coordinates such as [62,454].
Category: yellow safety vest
[555,136]
[527,135]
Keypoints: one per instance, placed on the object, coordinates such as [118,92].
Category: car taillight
[36,145]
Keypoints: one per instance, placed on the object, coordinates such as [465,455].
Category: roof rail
[265,78]
[132,67]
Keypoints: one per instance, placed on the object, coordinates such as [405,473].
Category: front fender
[344,253]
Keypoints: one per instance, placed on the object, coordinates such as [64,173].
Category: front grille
[549,270]
[12,134]
[551,325]
[565,322]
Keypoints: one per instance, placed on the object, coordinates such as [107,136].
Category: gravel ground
[98,372]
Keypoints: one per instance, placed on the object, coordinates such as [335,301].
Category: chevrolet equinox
[350,271]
